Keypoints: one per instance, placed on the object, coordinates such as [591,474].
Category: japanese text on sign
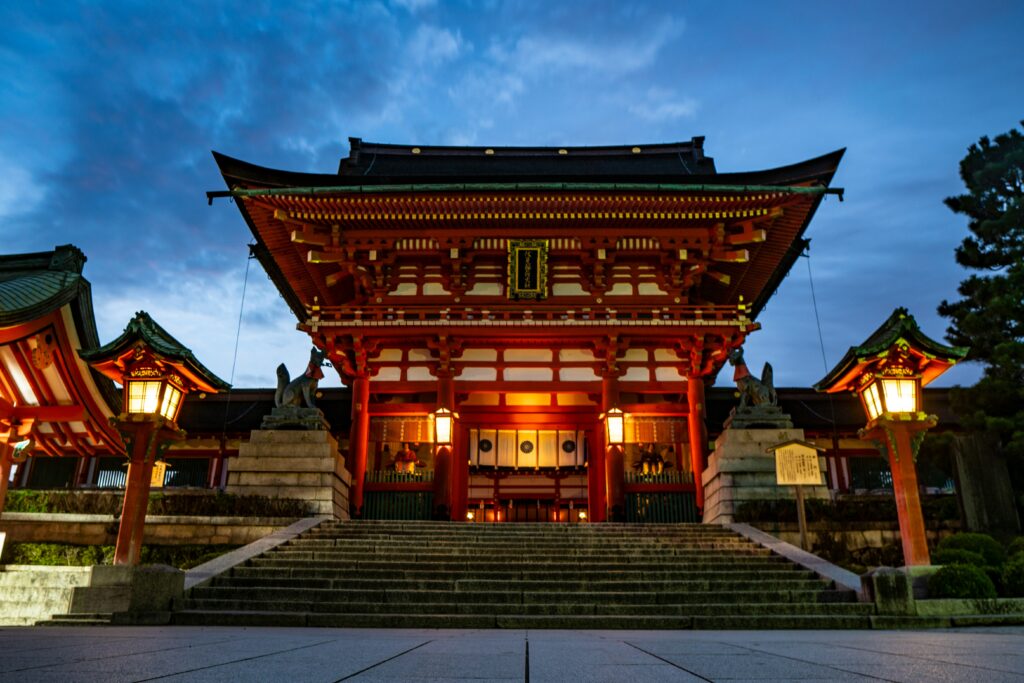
[796,465]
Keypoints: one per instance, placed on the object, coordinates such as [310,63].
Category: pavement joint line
[808,661]
[526,673]
[96,659]
[670,663]
[236,661]
[383,661]
[924,659]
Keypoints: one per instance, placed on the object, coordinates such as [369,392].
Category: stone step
[240,618]
[433,553]
[306,596]
[434,575]
[468,584]
[520,564]
[583,608]
[84,619]
[555,544]
[776,572]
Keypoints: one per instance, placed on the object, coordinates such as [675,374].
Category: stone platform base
[301,464]
[742,470]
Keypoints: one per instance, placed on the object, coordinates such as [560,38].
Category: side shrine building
[533,292]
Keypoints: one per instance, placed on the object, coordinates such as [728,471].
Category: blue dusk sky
[108,113]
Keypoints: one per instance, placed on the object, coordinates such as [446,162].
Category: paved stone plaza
[272,654]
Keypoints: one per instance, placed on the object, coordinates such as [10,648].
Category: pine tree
[990,316]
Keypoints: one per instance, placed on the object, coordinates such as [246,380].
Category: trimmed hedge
[961,581]
[1013,577]
[983,544]
[1016,547]
[60,554]
[179,504]
[957,556]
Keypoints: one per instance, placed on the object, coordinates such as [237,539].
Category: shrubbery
[197,504]
[960,581]
[957,556]
[60,554]
[983,544]
[1016,547]
[1013,577]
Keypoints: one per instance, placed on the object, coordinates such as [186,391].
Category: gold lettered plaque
[527,269]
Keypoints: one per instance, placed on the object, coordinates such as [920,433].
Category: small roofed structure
[51,403]
[143,344]
[897,348]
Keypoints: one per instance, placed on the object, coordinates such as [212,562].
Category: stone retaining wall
[854,535]
[33,527]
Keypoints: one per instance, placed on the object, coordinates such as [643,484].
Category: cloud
[660,105]
[19,191]
[433,45]
[414,6]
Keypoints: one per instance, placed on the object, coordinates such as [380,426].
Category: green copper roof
[900,325]
[143,328]
[32,285]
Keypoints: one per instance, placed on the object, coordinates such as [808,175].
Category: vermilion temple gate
[529,291]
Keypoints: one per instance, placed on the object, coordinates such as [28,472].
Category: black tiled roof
[633,162]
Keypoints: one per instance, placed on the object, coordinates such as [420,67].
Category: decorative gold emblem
[527,269]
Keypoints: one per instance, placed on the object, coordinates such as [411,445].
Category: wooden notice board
[797,465]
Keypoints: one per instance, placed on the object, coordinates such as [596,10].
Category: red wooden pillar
[358,442]
[596,491]
[136,494]
[6,461]
[907,493]
[444,477]
[460,474]
[698,434]
[614,467]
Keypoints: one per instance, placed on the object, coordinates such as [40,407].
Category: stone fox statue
[302,388]
[757,392]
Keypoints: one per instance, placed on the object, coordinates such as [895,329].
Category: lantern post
[156,373]
[887,372]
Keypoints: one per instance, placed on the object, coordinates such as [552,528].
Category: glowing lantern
[615,426]
[444,421]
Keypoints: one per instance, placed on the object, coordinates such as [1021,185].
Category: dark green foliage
[960,581]
[197,504]
[1016,547]
[983,544]
[957,556]
[1013,577]
[182,557]
[989,318]
[845,509]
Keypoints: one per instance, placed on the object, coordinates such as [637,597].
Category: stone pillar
[359,441]
[614,467]
[698,433]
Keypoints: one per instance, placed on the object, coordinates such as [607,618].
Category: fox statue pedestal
[742,470]
[293,463]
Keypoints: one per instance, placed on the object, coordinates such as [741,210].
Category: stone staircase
[29,594]
[444,575]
